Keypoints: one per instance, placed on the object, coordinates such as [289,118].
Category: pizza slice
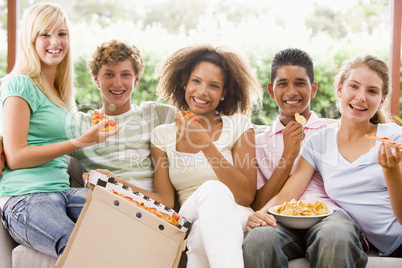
[110,124]
[174,219]
[300,119]
[369,136]
[190,115]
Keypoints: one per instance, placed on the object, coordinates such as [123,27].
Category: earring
[222,98]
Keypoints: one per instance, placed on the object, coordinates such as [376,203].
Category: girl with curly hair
[209,164]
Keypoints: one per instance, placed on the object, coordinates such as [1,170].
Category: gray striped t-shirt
[127,154]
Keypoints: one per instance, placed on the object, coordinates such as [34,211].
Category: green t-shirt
[48,124]
[127,154]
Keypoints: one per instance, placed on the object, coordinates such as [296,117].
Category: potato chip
[300,119]
[300,208]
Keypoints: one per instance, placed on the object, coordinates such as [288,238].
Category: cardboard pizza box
[113,232]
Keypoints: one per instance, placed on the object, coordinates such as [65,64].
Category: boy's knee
[336,225]
[338,235]
[260,238]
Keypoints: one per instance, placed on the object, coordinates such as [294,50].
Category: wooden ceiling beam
[12,18]
[395,55]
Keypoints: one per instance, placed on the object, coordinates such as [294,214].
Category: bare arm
[292,138]
[392,169]
[241,178]
[15,132]
[163,188]
[293,189]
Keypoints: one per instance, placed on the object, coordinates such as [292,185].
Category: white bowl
[297,222]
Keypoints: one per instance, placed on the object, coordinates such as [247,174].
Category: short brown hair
[113,52]
[241,86]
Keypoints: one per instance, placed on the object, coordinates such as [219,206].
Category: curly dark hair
[241,86]
[113,52]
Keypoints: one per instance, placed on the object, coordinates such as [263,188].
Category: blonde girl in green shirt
[38,207]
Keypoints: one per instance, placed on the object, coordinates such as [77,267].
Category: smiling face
[361,94]
[52,47]
[116,83]
[204,89]
[292,91]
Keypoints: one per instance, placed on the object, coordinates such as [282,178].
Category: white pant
[216,236]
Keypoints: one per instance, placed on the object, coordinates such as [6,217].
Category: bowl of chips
[300,214]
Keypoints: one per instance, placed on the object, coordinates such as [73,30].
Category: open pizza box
[113,232]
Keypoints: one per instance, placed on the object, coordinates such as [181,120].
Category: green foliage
[398,119]
[326,19]
[156,42]
[258,30]
[269,109]
[145,90]
[87,94]
[324,102]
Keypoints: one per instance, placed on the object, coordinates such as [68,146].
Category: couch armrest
[7,244]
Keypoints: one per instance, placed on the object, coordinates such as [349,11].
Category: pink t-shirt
[269,149]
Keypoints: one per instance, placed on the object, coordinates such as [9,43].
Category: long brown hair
[380,67]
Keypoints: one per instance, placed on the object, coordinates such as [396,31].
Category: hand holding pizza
[97,133]
[387,157]
[190,129]
[189,115]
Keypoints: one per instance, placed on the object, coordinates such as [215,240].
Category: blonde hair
[380,67]
[37,19]
[241,86]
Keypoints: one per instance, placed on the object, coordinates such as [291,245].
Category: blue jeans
[335,241]
[44,221]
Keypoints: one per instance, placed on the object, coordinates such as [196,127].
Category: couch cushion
[25,257]
[6,245]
